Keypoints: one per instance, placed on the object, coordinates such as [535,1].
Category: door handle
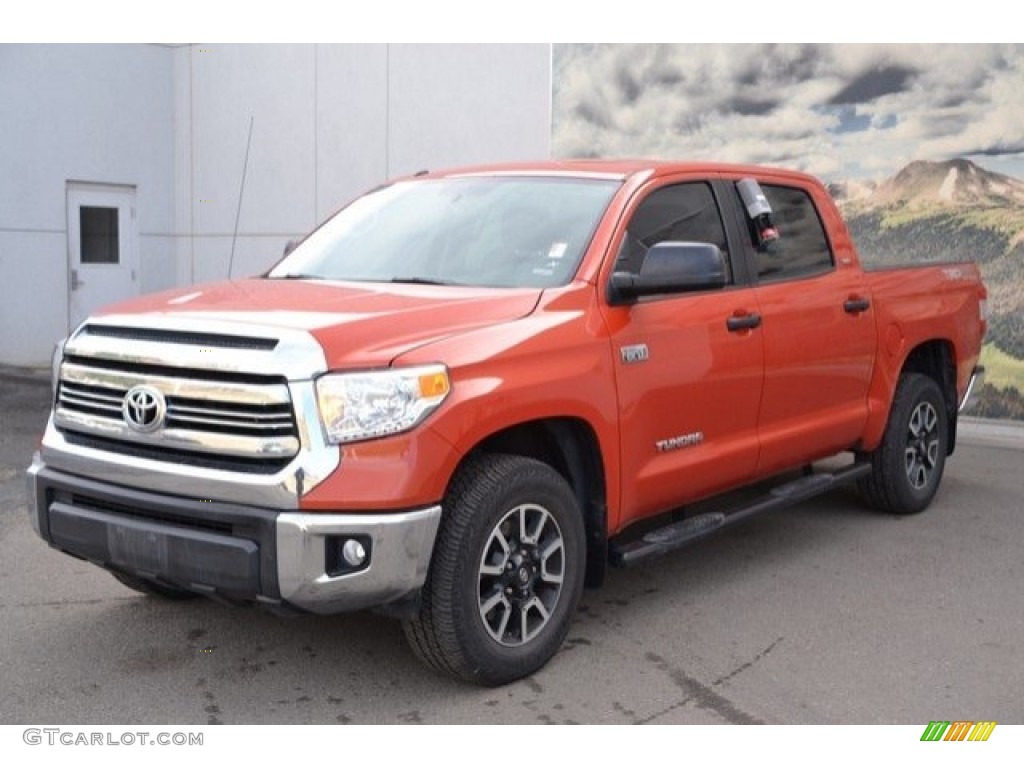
[743,322]
[75,282]
[855,305]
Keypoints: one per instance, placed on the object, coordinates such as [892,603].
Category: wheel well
[935,359]
[570,447]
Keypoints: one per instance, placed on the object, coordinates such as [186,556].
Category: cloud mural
[922,145]
[838,111]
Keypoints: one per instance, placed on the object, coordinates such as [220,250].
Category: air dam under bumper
[231,551]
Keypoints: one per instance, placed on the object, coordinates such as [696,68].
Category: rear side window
[680,213]
[802,249]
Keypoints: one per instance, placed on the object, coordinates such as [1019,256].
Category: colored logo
[143,409]
[958,730]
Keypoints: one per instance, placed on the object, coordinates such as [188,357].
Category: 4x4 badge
[634,353]
[144,409]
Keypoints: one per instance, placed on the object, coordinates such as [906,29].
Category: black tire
[506,573]
[152,588]
[907,467]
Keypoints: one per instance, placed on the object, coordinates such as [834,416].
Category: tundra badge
[679,441]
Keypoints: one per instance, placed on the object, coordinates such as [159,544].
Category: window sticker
[557,250]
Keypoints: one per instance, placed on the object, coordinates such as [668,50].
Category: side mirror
[290,246]
[671,268]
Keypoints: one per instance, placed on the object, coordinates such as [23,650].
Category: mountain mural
[947,211]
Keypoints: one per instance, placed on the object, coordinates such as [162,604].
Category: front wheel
[506,574]
[907,467]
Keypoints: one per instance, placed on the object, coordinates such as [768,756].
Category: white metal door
[102,247]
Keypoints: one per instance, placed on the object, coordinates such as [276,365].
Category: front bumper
[232,551]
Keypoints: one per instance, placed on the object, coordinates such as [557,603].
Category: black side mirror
[671,268]
[290,246]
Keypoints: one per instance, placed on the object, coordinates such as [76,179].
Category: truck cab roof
[623,169]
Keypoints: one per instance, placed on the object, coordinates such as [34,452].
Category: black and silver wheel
[921,455]
[521,574]
[907,467]
[152,588]
[506,574]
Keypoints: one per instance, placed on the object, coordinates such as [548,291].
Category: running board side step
[692,529]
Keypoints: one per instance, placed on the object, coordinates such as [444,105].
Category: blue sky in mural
[839,111]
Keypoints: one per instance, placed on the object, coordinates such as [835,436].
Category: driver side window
[680,213]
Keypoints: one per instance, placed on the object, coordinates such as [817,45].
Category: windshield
[484,231]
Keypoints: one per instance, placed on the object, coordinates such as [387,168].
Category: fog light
[353,553]
[347,554]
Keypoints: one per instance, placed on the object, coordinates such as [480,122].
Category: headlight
[360,406]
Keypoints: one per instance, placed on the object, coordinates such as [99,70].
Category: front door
[689,381]
[101,247]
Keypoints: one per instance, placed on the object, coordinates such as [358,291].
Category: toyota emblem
[143,409]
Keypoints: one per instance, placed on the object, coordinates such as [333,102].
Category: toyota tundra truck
[468,393]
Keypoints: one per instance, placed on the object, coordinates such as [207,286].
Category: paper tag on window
[557,250]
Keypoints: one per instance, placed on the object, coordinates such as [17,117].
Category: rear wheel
[907,467]
[152,588]
[506,575]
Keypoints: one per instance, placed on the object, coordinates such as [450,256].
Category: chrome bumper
[238,553]
[399,555]
[977,377]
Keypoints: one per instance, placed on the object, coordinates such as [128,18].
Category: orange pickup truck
[468,393]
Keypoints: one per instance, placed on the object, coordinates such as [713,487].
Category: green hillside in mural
[950,211]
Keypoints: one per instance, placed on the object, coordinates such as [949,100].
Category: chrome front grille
[99,401]
[238,417]
[264,420]
[249,417]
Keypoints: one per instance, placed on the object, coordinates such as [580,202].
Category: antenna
[241,189]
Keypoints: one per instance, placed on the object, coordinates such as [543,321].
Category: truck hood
[356,324]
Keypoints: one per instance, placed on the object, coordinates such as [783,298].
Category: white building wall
[352,117]
[273,85]
[460,104]
[329,122]
[98,113]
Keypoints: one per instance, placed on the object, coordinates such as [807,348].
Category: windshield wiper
[296,276]
[410,280]
[413,280]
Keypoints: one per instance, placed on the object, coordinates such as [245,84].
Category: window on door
[99,235]
[802,249]
[679,213]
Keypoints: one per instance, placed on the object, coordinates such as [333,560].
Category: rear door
[689,386]
[818,330]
